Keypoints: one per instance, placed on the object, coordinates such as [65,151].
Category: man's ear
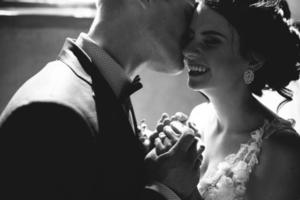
[256,61]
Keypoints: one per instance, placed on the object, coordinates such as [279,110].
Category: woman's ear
[256,61]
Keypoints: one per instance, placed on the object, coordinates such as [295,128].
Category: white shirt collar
[108,67]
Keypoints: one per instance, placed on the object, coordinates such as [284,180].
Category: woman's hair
[265,28]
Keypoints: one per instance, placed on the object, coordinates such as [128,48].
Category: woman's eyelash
[209,43]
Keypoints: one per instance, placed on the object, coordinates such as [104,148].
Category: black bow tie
[126,102]
[131,88]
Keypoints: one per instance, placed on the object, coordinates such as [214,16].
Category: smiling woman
[239,49]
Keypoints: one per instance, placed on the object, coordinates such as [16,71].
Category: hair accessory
[248,76]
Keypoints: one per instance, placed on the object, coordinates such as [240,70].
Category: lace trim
[232,174]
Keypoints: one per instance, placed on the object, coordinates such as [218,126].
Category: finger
[173,118]
[143,123]
[152,138]
[160,148]
[192,126]
[163,117]
[200,144]
[184,142]
[201,149]
[147,144]
[170,134]
[159,127]
[181,117]
[167,143]
[180,128]
[195,150]
[192,151]
[199,157]
[162,136]
[177,127]
[166,122]
[198,162]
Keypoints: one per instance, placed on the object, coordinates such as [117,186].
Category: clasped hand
[175,155]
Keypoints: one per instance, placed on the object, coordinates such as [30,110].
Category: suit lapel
[117,145]
[106,101]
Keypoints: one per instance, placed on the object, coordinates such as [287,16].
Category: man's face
[167,24]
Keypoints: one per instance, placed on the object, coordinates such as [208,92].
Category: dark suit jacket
[64,135]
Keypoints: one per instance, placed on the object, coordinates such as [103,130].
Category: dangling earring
[248,76]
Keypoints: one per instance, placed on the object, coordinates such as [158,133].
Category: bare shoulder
[277,174]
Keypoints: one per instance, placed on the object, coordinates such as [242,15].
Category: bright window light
[73,8]
[59,2]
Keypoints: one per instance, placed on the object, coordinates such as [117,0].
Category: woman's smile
[195,68]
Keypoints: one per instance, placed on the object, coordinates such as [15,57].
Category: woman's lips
[195,68]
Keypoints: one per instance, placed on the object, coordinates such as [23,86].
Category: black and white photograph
[150,99]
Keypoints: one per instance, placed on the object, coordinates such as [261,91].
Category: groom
[70,133]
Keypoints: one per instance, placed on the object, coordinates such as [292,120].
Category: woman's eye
[211,42]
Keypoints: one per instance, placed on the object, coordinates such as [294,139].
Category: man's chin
[167,58]
[164,66]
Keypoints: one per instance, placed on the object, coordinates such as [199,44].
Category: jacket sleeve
[46,153]
[149,194]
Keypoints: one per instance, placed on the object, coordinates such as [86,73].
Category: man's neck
[120,40]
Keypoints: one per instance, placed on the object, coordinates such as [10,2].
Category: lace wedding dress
[229,180]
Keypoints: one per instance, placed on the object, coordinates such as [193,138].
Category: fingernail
[164,115]
[161,135]
[181,116]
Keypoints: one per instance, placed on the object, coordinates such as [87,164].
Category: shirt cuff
[163,190]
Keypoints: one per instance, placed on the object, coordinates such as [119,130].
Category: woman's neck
[237,112]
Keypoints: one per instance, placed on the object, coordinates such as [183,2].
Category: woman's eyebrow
[211,32]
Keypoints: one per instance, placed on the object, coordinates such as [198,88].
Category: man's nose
[189,52]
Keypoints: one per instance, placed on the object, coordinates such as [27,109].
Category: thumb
[184,142]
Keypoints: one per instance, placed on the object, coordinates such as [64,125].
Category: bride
[237,49]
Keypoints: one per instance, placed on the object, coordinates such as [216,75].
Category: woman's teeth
[198,69]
